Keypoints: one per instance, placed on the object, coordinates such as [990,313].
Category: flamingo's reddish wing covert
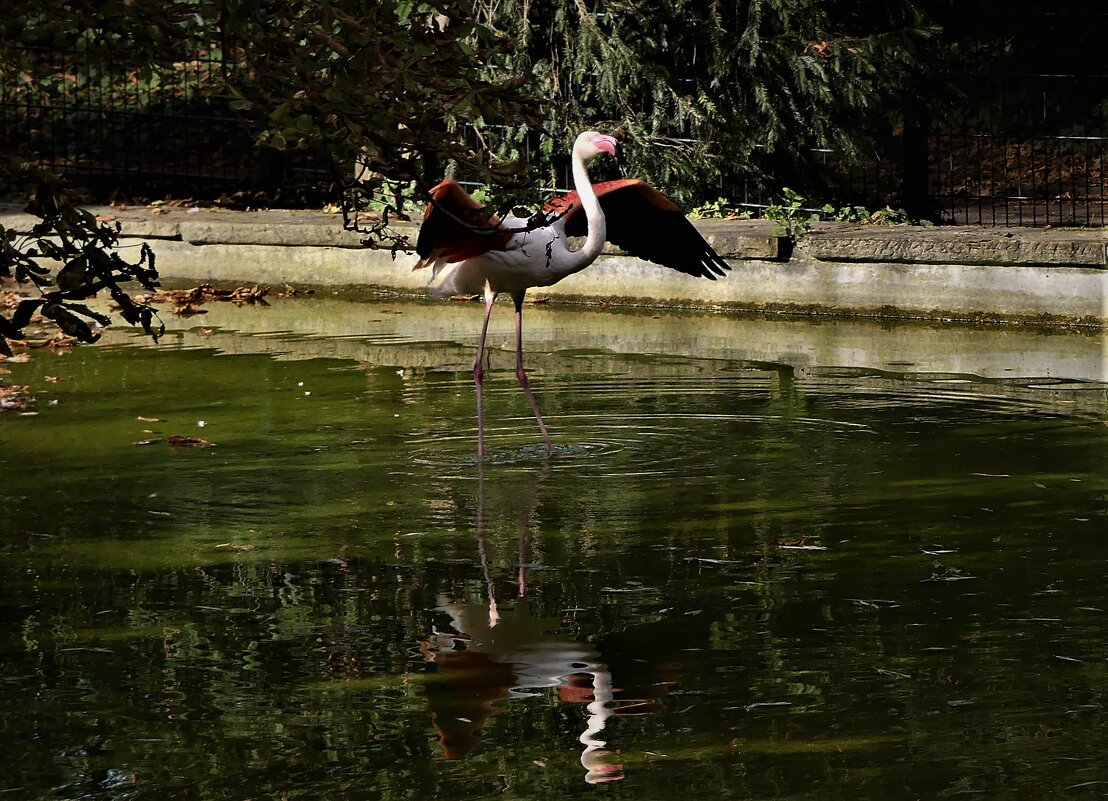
[456,227]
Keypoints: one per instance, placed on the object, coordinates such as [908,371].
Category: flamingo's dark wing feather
[645,223]
[456,227]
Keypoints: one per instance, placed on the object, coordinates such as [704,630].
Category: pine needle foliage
[707,91]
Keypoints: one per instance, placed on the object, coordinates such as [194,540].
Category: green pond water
[738,577]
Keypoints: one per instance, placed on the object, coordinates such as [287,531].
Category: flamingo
[471,253]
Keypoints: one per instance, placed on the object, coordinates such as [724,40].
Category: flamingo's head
[591,144]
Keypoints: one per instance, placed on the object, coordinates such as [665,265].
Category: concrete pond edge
[1030,277]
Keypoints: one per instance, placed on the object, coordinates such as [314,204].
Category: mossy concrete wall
[1019,275]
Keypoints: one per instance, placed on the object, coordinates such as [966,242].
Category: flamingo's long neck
[598,234]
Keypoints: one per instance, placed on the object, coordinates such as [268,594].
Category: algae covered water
[802,576]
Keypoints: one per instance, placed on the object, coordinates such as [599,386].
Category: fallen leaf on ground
[150,419]
[188,310]
[177,441]
[186,300]
[292,292]
[941,573]
[60,341]
[15,398]
[799,544]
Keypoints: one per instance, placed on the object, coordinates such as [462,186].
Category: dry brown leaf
[188,310]
[178,441]
[15,398]
[60,341]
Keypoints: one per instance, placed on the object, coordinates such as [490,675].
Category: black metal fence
[1033,153]
[990,179]
[1025,143]
[115,130]
[1025,140]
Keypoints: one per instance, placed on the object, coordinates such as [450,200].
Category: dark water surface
[735,580]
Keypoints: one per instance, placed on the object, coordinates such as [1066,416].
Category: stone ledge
[733,239]
[1018,275]
[742,239]
[950,245]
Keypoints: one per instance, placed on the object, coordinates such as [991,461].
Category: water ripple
[659,425]
[612,443]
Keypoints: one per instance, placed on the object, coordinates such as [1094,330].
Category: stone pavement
[1021,275]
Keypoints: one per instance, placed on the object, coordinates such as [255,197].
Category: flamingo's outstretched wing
[645,223]
[456,227]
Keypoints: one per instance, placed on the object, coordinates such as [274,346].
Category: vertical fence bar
[967,142]
[104,69]
[1019,182]
[1062,194]
[1088,188]
[1099,161]
[1002,181]
[1100,190]
[1059,197]
[49,115]
[1032,175]
[941,160]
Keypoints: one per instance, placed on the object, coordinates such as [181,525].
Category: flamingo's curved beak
[607,144]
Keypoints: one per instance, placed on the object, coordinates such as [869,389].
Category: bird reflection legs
[482,549]
[521,374]
[528,645]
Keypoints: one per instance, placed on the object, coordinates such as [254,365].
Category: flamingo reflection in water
[486,655]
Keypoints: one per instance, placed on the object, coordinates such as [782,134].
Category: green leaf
[24,311]
[69,322]
[73,274]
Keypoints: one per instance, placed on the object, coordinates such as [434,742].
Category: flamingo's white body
[470,254]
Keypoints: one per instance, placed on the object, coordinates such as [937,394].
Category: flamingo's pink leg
[479,372]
